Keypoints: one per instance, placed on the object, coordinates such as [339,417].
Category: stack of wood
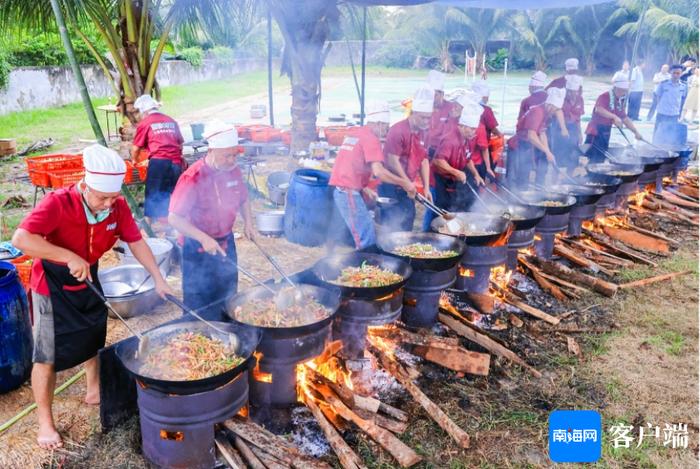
[243,444]
[677,205]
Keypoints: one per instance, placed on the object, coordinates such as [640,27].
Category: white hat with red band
[378,111]
[104,168]
[220,135]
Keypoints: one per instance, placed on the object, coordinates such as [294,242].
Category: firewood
[680,194]
[666,205]
[486,342]
[404,455]
[515,320]
[459,359]
[658,278]
[566,253]
[483,303]
[435,412]
[594,248]
[545,284]
[573,346]
[610,244]
[650,205]
[331,350]
[675,200]
[348,396]
[653,234]
[228,452]
[347,457]
[638,241]
[577,330]
[390,424]
[524,307]
[596,284]
[397,414]
[271,443]
[413,338]
[268,460]
[248,456]
[564,283]
[689,191]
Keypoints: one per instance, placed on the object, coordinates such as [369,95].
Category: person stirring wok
[207,198]
[66,234]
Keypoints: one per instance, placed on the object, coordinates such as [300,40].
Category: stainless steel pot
[277,185]
[162,248]
[270,222]
[116,281]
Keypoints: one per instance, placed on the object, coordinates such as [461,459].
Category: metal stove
[475,267]
[623,193]
[422,296]
[519,239]
[547,229]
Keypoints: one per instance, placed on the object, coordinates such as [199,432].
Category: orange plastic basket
[286,137]
[336,135]
[496,145]
[23,264]
[132,174]
[246,131]
[39,167]
[40,178]
[265,135]
[65,177]
[142,169]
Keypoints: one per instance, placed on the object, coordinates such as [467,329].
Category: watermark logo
[575,436]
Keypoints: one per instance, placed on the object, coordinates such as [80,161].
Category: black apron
[79,316]
[599,143]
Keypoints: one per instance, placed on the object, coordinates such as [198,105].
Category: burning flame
[639,197]
[501,276]
[465,272]
[537,237]
[259,375]
[528,251]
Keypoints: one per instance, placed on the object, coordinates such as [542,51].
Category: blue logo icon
[575,436]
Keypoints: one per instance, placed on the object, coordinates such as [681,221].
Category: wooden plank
[650,280]
[458,359]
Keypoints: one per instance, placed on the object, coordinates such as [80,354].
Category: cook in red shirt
[439,121]
[609,110]
[66,234]
[203,208]
[359,158]
[571,68]
[530,135]
[161,135]
[566,149]
[490,124]
[406,157]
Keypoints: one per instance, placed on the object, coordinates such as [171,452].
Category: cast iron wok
[523,217]
[327,297]
[328,269]
[609,184]
[585,195]
[248,338]
[609,169]
[390,241]
[535,199]
[498,228]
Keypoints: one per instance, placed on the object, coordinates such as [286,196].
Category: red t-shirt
[488,120]
[407,145]
[353,165]
[534,119]
[60,219]
[573,110]
[560,82]
[538,97]
[439,124]
[453,150]
[208,198]
[477,144]
[160,134]
[604,102]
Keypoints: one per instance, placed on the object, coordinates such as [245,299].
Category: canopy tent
[501,4]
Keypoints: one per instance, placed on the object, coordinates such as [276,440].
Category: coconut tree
[478,26]
[126,27]
[531,27]
[305,27]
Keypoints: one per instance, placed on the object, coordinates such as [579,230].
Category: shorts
[44,347]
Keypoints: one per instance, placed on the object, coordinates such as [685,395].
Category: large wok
[610,169]
[390,241]
[474,225]
[523,217]
[536,198]
[609,184]
[329,298]
[248,339]
[585,195]
[329,268]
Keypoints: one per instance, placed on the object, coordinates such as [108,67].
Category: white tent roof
[504,4]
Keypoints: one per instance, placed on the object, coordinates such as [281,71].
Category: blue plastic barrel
[309,207]
[15,331]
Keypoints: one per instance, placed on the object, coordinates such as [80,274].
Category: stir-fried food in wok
[189,356]
[265,313]
[464,230]
[366,276]
[550,203]
[423,251]
[622,173]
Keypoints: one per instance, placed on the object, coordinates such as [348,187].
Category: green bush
[44,50]
[5,69]
[222,54]
[193,55]
[399,55]
[497,62]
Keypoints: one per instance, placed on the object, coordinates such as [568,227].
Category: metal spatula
[233,341]
[143,340]
[145,279]
[298,293]
[281,301]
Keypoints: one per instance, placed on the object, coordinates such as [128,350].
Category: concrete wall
[42,87]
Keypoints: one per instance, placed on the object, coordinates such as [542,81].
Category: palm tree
[669,22]
[305,26]
[532,28]
[478,26]
[125,27]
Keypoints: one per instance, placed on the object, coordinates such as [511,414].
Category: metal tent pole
[270,99]
[364,49]
[503,95]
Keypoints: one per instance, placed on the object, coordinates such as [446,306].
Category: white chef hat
[573,82]
[538,78]
[555,97]
[468,98]
[471,115]
[571,64]
[621,80]
[436,80]
[377,111]
[145,103]
[220,135]
[423,99]
[481,88]
[104,168]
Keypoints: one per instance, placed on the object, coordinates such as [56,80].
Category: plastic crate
[24,269]
[286,137]
[65,177]
[245,131]
[269,134]
[142,169]
[39,167]
[336,134]
[40,178]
